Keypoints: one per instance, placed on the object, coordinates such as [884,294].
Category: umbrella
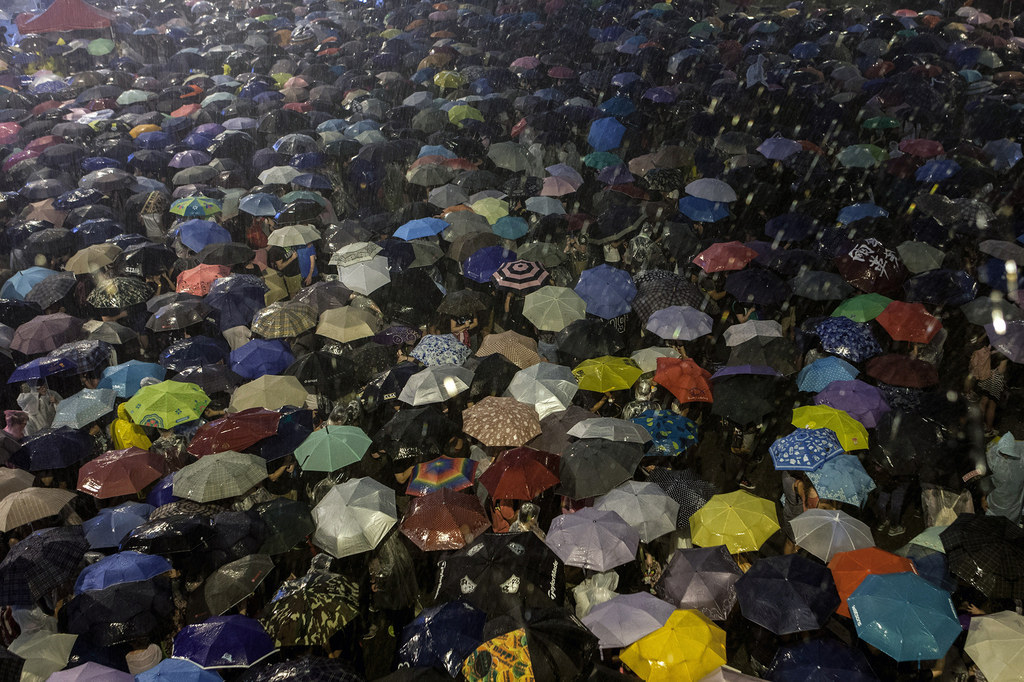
[824,533]
[308,611]
[644,506]
[871,267]
[843,479]
[111,525]
[1008,341]
[331,448]
[195,207]
[497,422]
[440,349]
[40,368]
[787,594]
[354,516]
[725,256]
[219,476]
[779,354]
[436,384]
[453,473]
[236,431]
[852,434]
[847,339]
[739,520]
[167,404]
[820,658]
[546,645]
[610,428]
[121,613]
[606,373]
[909,322]
[684,379]
[305,669]
[444,520]
[625,618]
[986,309]
[287,522]
[514,347]
[126,379]
[993,642]
[607,291]
[179,315]
[520,275]
[686,648]
[43,652]
[268,391]
[44,333]
[283,320]
[229,585]
[223,642]
[905,616]
[108,332]
[120,472]
[548,387]
[365,277]
[52,289]
[177,669]
[53,449]
[900,370]
[90,671]
[672,434]
[738,333]
[348,324]
[40,563]
[987,553]
[520,474]
[31,504]
[701,578]
[862,401]
[442,636]
[84,407]
[805,449]
[259,357]
[593,466]
[87,356]
[850,568]
[679,323]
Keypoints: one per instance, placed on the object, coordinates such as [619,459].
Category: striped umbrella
[521,275]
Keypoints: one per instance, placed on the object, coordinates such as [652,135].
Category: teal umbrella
[331,448]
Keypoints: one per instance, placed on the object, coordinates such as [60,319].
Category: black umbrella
[230,253]
[588,338]
[987,552]
[305,669]
[491,377]
[593,466]
[560,647]
[685,487]
[462,303]
[178,316]
[52,289]
[324,296]
[325,373]
[235,534]
[745,398]
[121,613]
[286,524]
[14,313]
[787,594]
[501,574]
[211,378]
[52,242]
[53,449]
[229,585]
[179,534]
[779,354]
[415,433]
[41,563]
[143,260]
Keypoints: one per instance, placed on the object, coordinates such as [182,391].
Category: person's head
[15,422]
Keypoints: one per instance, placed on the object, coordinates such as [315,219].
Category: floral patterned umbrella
[440,349]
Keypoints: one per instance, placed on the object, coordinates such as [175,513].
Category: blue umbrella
[820,659]
[440,349]
[607,291]
[193,351]
[123,567]
[18,286]
[87,356]
[703,210]
[605,134]
[154,140]
[1004,153]
[787,594]
[904,616]
[224,642]
[483,263]
[84,407]
[163,492]
[53,449]
[855,212]
[436,150]
[790,227]
[126,378]
[510,227]
[848,339]
[292,430]
[260,204]
[236,298]
[442,637]
[261,356]
[805,449]
[111,525]
[617,106]
[197,234]
[312,181]
[819,374]
[40,368]
[671,433]
[937,170]
[421,227]
[96,231]
[843,479]
[941,287]
[930,564]
[177,670]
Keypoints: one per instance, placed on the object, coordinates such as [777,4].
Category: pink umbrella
[725,256]
[525,63]
[922,148]
[199,279]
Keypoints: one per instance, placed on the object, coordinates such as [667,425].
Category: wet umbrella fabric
[702,578]
[442,636]
[224,642]
[787,594]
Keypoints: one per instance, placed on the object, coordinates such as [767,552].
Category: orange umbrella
[909,322]
[850,568]
[685,379]
[199,279]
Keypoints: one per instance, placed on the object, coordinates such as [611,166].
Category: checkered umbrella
[31,504]
[282,320]
[521,275]
[87,356]
[501,422]
[219,476]
[309,610]
[40,563]
[11,665]
[987,552]
[52,289]
[658,289]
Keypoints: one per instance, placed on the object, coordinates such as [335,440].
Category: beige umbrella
[518,349]
[270,391]
[13,480]
[501,422]
[92,259]
[45,210]
[45,652]
[553,308]
[293,235]
[31,504]
[348,324]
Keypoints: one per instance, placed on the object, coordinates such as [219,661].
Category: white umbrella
[358,252]
[824,533]
[279,175]
[711,189]
[609,428]
[366,277]
[548,387]
[45,653]
[553,308]
[644,506]
[293,235]
[738,333]
[647,358]
[996,644]
[354,517]
[436,384]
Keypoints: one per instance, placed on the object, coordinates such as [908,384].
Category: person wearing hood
[127,434]
[1006,497]
[40,403]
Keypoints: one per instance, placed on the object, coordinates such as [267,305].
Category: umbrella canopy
[224,642]
[219,476]
[825,533]
[268,391]
[701,578]
[520,474]
[679,323]
[606,290]
[121,472]
[819,657]
[442,636]
[235,431]
[909,322]
[607,373]
[644,506]
[625,618]
[354,517]
[851,433]
[311,609]
[331,448]
[850,568]
[805,449]
[740,521]
[592,539]
[593,466]
[787,594]
[687,647]
[453,473]
[167,404]
[31,504]
[863,402]
[986,552]
[126,379]
[501,422]
[229,585]
[84,407]
[40,563]
[993,642]
[548,387]
[436,384]
[905,616]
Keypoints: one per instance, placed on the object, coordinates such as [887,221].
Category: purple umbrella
[624,619]
[593,539]
[679,323]
[1010,343]
[702,578]
[46,332]
[224,642]
[862,401]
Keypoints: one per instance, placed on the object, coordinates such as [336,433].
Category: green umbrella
[331,448]
[167,404]
[553,308]
[861,156]
[100,47]
[880,123]
[311,609]
[133,97]
[863,308]
[599,160]
[219,476]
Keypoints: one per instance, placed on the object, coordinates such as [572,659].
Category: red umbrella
[871,267]
[235,432]
[850,568]
[444,520]
[199,279]
[900,370]
[121,472]
[922,147]
[909,322]
[46,332]
[725,256]
[520,474]
[685,379]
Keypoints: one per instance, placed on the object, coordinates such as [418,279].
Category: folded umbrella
[787,594]
[701,578]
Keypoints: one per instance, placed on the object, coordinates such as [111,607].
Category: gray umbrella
[84,407]
[984,310]
[702,578]
[549,388]
[594,466]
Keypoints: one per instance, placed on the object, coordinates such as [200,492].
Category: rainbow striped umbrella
[454,473]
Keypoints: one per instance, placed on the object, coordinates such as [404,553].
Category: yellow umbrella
[607,373]
[449,79]
[281,78]
[852,434]
[390,33]
[146,128]
[685,649]
[504,657]
[490,208]
[460,112]
[740,521]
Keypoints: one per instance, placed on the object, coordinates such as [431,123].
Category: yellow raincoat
[126,433]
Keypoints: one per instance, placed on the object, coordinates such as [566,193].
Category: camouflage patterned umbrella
[308,611]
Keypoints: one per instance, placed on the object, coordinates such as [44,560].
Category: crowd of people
[513,340]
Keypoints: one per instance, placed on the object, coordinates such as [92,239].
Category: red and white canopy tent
[65,15]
